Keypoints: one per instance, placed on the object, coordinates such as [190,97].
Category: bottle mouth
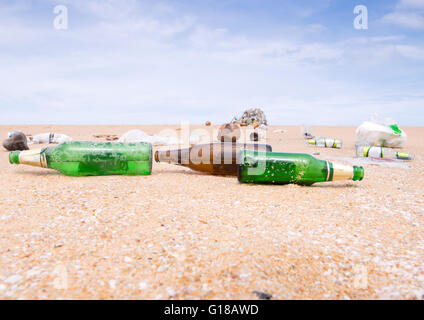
[156,156]
[14,157]
[358,173]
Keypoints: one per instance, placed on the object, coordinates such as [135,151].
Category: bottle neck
[180,156]
[344,172]
[35,158]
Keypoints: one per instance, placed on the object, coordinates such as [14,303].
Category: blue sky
[147,62]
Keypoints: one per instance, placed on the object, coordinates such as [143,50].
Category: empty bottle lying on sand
[298,168]
[325,142]
[49,137]
[382,152]
[84,158]
[214,158]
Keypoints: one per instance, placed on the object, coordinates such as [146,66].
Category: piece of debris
[208,123]
[262,295]
[49,137]
[307,132]
[254,136]
[108,137]
[141,136]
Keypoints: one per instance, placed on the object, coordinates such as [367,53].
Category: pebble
[142,285]
[13,279]
[162,268]
[112,284]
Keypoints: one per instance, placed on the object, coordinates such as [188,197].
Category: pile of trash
[254,117]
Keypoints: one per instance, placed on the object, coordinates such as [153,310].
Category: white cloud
[413,52]
[411,4]
[207,37]
[315,28]
[407,14]
[405,19]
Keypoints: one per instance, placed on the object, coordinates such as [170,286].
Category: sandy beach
[179,234]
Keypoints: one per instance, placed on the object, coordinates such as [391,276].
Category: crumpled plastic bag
[49,137]
[141,136]
[380,133]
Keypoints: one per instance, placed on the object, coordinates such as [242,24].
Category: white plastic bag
[380,133]
[50,137]
[141,136]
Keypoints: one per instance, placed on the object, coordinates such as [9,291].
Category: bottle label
[33,158]
[366,151]
[330,171]
[329,143]
[342,172]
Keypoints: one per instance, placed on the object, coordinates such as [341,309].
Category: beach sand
[178,234]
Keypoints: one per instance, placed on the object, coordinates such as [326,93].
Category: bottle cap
[14,157]
[358,173]
[404,156]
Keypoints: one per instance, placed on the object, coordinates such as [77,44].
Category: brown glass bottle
[221,158]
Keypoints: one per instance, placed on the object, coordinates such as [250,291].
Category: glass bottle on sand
[84,158]
[325,142]
[382,152]
[215,158]
[284,168]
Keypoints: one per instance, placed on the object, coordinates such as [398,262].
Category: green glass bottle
[84,158]
[284,168]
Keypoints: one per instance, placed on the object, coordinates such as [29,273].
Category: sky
[164,62]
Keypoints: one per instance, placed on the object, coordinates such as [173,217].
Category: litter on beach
[380,133]
[137,135]
[49,137]
[324,142]
[373,161]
